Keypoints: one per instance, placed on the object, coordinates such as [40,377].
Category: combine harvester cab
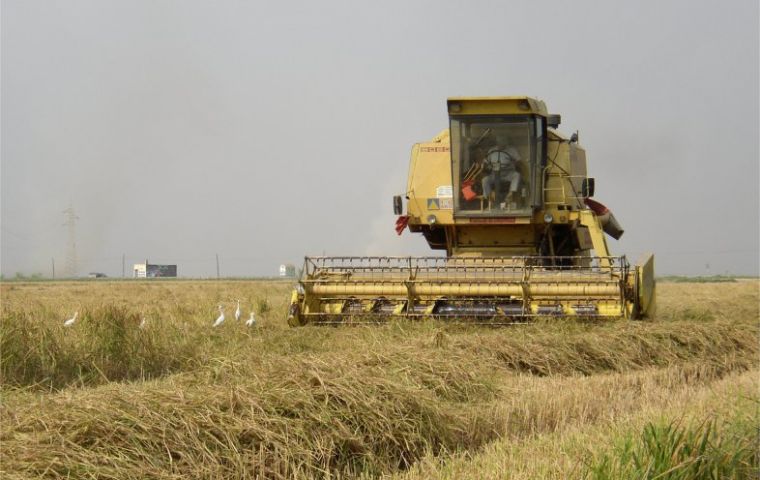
[506,196]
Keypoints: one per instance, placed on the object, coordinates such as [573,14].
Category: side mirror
[398,207]
[587,187]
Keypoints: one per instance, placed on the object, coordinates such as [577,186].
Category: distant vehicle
[96,275]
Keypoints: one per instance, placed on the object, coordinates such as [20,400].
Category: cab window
[494,164]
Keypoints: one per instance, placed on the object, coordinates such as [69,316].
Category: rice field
[673,397]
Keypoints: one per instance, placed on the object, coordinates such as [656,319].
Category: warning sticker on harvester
[444,191]
[440,203]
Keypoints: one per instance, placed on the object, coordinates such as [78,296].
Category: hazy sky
[267,131]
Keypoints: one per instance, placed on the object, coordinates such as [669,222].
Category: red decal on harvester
[401,223]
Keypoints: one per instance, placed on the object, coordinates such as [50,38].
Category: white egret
[238,312]
[251,321]
[71,320]
[220,320]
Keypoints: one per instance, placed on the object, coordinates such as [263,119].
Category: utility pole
[217,266]
[71,257]
[52,261]
[123,266]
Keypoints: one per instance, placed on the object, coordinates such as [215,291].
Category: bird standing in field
[238,312]
[251,321]
[220,319]
[71,320]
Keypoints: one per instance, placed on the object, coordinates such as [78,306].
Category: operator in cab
[500,170]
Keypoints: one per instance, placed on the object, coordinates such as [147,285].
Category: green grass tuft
[671,451]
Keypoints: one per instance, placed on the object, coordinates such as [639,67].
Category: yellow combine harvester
[507,197]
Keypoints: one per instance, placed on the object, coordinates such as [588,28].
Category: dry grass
[179,399]
[579,446]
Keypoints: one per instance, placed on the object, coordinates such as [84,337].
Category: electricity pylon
[71,256]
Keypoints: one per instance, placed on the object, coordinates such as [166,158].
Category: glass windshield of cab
[494,164]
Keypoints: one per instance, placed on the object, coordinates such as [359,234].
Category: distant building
[96,275]
[287,270]
[147,270]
